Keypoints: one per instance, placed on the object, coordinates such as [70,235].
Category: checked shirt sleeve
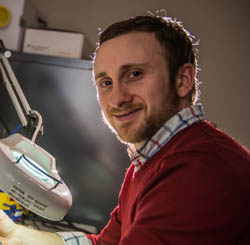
[74,238]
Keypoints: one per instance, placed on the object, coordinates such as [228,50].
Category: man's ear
[185,79]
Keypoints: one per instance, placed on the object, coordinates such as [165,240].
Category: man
[188,183]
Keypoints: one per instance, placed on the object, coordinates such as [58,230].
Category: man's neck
[139,145]
[183,104]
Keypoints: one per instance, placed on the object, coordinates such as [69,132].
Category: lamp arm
[31,120]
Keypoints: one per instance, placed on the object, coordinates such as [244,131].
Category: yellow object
[4,16]
[10,206]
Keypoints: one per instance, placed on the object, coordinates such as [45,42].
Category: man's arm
[13,234]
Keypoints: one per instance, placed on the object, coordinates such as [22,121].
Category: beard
[151,123]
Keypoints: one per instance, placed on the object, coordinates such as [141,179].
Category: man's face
[132,81]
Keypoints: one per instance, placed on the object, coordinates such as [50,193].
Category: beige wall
[221,25]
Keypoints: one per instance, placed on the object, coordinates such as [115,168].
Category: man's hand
[7,229]
[13,234]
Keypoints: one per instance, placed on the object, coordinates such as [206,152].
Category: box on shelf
[53,42]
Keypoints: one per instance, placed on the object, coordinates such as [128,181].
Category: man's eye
[105,83]
[135,74]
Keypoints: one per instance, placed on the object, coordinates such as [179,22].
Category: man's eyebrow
[99,75]
[130,65]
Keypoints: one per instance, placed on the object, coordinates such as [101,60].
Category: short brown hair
[178,43]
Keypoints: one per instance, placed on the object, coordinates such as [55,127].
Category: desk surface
[52,226]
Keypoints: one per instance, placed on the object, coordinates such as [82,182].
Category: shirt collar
[178,122]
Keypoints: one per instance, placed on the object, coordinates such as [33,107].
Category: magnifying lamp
[28,172]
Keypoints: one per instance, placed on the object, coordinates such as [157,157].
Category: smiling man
[133,86]
[188,182]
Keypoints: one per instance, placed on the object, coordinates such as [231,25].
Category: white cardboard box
[55,43]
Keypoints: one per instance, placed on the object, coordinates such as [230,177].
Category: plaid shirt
[181,120]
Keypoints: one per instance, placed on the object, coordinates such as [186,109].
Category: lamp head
[28,175]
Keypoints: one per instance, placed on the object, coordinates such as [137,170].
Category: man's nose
[120,95]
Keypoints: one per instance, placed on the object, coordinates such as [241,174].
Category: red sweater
[194,191]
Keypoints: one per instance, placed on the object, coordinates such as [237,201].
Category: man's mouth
[127,115]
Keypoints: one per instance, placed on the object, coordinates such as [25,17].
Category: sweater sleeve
[110,235]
